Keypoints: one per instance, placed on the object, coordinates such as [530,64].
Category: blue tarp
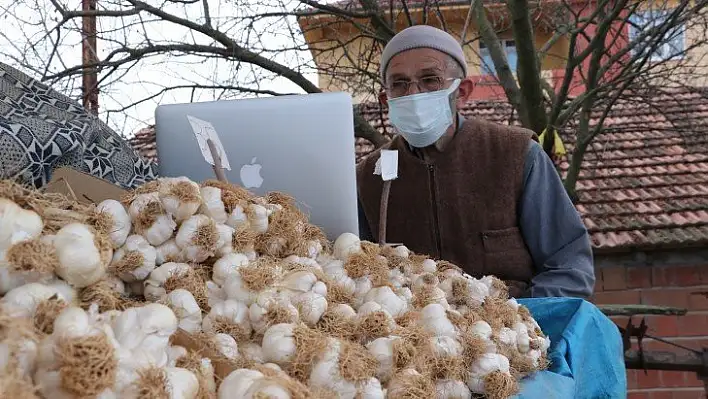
[586,355]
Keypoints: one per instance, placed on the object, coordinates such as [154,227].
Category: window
[486,57]
[671,46]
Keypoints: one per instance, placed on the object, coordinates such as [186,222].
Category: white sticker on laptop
[387,165]
[205,131]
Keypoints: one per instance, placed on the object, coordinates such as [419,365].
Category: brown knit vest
[462,205]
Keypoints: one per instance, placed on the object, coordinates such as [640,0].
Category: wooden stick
[663,360]
[632,310]
[383,211]
[218,169]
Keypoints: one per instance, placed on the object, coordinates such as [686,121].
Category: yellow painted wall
[341,45]
[321,33]
[696,35]
[692,70]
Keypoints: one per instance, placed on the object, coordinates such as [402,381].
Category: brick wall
[668,279]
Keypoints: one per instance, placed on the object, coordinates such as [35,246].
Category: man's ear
[464,91]
[383,98]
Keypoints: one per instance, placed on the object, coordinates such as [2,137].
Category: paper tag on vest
[387,165]
[204,131]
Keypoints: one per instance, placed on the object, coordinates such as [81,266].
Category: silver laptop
[302,145]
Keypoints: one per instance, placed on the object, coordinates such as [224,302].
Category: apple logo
[251,175]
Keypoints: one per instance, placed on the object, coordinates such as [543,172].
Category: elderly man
[481,195]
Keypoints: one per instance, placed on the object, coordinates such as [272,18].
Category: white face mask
[424,117]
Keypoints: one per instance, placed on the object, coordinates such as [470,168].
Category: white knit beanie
[422,36]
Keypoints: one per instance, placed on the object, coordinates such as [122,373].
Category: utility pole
[89,86]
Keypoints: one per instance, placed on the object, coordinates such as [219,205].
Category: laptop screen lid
[301,145]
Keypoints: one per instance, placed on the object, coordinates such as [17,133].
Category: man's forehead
[417,61]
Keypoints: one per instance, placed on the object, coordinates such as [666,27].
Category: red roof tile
[144,142]
[644,179]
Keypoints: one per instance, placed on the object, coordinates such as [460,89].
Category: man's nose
[413,88]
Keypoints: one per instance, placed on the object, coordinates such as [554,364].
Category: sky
[124,101]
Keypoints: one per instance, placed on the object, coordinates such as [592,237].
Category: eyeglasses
[399,88]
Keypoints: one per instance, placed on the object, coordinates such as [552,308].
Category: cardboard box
[82,187]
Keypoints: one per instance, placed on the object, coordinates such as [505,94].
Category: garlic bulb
[343,310]
[226,345]
[507,336]
[215,293]
[435,321]
[271,301]
[299,281]
[267,388]
[429,266]
[252,351]
[279,344]
[186,309]
[444,346]
[17,224]
[154,286]
[135,260]
[231,316]
[180,197]
[23,300]
[27,261]
[24,256]
[237,218]
[237,383]
[397,278]
[258,218]
[175,353]
[382,349]
[401,251]
[150,218]
[482,329]
[345,245]
[226,237]
[448,389]
[486,364]
[399,385]
[235,288]
[388,300]
[198,238]
[212,205]
[522,336]
[147,330]
[327,374]
[310,306]
[119,224]
[60,367]
[182,383]
[227,265]
[18,346]
[168,251]
[335,270]
[84,255]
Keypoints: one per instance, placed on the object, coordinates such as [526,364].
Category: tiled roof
[643,182]
[144,142]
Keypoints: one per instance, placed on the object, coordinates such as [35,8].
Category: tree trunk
[528,69]
[501,65]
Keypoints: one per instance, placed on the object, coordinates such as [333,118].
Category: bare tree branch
[243,50]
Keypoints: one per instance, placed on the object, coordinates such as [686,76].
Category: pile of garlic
[97,295]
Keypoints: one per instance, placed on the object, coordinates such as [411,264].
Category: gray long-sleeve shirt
[552,228]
